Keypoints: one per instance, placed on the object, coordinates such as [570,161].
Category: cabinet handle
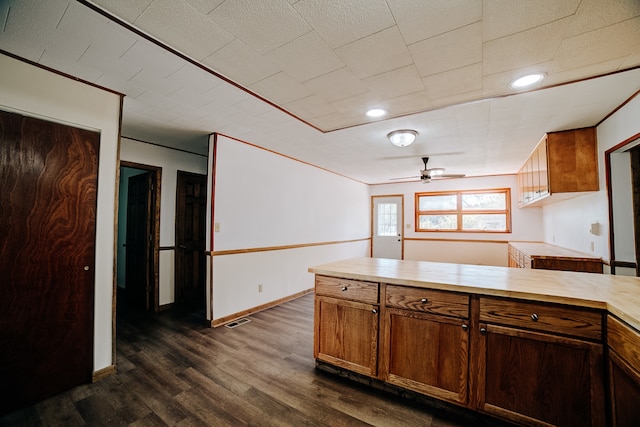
[374,311]
[424,300]
[344,288]
[465,327]
[483,330]
[534,317]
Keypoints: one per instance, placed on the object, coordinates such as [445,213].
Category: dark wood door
[190,239]
[138,272]
[49,176]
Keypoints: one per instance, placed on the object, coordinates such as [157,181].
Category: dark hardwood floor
[171,370]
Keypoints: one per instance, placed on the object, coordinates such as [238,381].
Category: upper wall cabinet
[563,165]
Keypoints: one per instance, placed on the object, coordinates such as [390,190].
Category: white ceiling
[297,77]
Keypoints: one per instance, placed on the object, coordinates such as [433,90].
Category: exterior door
[386,236]
[190,240]
[139,272]
[48,199]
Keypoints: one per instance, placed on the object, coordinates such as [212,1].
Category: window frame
[459,212]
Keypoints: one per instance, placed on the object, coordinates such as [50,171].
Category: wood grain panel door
[190,239]
[139,266]
[49,176]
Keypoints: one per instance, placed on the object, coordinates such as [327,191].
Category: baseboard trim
[235,316]
[103,373]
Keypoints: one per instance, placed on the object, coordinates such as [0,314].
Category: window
[482,211]
[387,219]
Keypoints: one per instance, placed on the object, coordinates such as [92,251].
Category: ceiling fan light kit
[402,137]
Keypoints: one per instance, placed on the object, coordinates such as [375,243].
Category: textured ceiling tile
[454,82]
[183,27]
[306,57]
[393,83]
[378,53]
[419,19]
[119,84]
[28,40]
[262,24]
[310,107]
[127,10]
[205,6]
[281,88]
[505,17]
[336,85]
[149,56]
[460,98]
[119,69]
[195,78]
[593,14]
[341,22]
[524,49]
[410,103]
[240,63]
[614,41]
[448,51]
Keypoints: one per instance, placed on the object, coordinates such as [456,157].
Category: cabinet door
[346,334]
[428,354]
[543,171]
[624,383]
[536,378]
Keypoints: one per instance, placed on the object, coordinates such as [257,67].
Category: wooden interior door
[138,271]
[49,176]
[190,239]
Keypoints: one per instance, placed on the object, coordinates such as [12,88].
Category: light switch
[216,227]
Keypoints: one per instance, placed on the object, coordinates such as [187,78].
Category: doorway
[386,226]
[623,189]
[190,267]
[138,236]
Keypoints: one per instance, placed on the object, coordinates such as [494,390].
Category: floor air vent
[238,322]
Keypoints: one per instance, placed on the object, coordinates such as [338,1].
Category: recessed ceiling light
[403,137]
[376,112]
[526,81]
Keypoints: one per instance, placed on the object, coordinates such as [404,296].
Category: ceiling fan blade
[404,177]
[448,175]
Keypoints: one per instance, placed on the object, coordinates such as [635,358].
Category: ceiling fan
[426,174]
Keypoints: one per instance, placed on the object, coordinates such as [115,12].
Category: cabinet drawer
[355,290]
[548,318]
[428,301]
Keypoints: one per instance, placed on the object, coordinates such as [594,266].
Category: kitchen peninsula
[533,347]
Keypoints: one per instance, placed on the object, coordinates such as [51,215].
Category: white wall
[171,161]
[567,223]
[33,91]
[265,200]
[466,248]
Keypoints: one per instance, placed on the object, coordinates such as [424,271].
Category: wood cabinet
[624,373]
[562,165]
[425,342]
[540,363]
[550,257]
[346,324]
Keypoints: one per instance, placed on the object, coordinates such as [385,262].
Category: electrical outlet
[216,227]
[593,247]
[260,287]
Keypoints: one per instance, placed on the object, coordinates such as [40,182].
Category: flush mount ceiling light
[403,137]
[376,112]
[527,81]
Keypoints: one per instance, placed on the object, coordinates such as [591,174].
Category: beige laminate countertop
[617,294]
[543,250]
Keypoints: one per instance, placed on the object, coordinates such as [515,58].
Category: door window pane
[387,219]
